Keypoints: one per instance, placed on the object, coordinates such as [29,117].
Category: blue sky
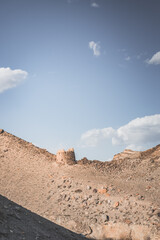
[81,73]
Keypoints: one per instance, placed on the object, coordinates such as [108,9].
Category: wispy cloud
[155,59]
[125,54]
[93,136]
[95,47]
[139,56]
[128,58]
[94,4]
[11,78]
[136,134]
[72,1]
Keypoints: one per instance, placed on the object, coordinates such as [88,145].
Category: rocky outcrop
[153,152]
[66,157]
[127,153]
[1,131]
[130,154]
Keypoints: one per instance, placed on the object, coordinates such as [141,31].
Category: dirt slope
[101,200]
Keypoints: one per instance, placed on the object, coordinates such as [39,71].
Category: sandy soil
[17,223]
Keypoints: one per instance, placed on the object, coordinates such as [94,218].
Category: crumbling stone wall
[66,157]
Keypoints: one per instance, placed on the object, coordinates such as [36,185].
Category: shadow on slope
[18,223]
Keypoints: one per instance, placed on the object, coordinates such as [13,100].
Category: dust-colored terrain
[17,223]
[101,200]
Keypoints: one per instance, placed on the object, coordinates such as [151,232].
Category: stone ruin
[66,157]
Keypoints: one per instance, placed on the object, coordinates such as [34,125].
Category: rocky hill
[117,200]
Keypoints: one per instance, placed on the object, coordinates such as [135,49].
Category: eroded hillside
[119,199]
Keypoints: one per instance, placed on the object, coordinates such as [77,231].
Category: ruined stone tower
[66,157]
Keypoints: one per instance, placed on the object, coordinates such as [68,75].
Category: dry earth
[17,223]
[117,200]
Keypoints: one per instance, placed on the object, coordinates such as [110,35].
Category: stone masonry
[66,157]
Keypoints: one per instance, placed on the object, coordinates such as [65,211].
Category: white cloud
[95,47]
[155,59]
[135,147]
[135,135]
[139,131]
[94,4]
[11,78]
[92,137]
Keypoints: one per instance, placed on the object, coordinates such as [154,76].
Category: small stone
[128,221]
[65,195]
[105,218]
[116,204]
[141,197]
[107,194]
[78,191]
[88,187]
[87,231]
[94,220]
[95,190]
[102,191]
[158,214]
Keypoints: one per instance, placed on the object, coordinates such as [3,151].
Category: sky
[82,74]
